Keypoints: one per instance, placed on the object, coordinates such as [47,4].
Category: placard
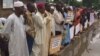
[91,19]
[86,24]
[55,44]
[81,27]
[7,3]
[77,29]
[72,32]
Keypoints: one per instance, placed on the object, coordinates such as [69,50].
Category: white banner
[56,43]
[77,29]
[72,32]
[91,19]
[86,24]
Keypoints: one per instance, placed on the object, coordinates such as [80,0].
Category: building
[6,6]
[4,12]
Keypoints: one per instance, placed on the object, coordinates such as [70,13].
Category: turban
[40,5]
[52,7]
[18,4]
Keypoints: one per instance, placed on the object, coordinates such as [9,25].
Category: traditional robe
[58,20]
[52,22]
[3,41]
[14,28]
[38,29]
[50,31]
[40,39]
[30,24]
[30,33]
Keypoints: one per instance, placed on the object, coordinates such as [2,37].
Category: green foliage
[75,3]
[92,3]
[96,4]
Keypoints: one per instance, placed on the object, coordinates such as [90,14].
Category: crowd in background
[29,29]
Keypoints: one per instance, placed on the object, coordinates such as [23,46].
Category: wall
[7,12]
[4,12]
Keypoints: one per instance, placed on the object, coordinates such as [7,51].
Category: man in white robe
[58,21]
[34,23]
[14,28]
[50,26]
[3,41]
[41,39]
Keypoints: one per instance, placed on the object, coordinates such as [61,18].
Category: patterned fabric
[67,39]
[30,23]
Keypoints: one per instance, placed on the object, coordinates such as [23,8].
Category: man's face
[20,10]
[47,7]
[31,8]
[52,10]
[42,10]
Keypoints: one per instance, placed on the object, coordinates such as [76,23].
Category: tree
[75,3]
[87,3]
[96,4]
[92,3]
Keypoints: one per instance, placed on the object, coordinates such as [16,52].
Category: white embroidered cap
[18,4]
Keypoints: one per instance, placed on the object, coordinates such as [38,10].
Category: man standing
[14,28]
[3,41]
[41,39]
[35,25]
[51,24]
[59,20]
[29,23]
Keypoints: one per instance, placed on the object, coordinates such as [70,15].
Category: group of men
[27,23]
[30,27]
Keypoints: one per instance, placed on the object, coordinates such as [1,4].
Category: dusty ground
[94,45]
[88,43]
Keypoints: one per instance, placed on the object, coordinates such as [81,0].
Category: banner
[77,29]
[72,32]
[55,44]
[86,24]
[91,19]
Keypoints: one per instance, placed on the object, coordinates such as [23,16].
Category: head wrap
[40,5]
[18,4]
